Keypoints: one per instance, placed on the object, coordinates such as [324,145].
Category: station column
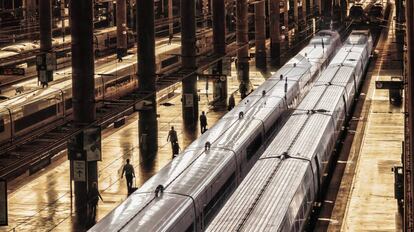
[83,102]
[285,15]
[188,53]
[243,46]
[408,154]
[274,31]
[296,15]
[304,12]
[260,33]
[148,125]
[121,28]
[219,37]
[46,60]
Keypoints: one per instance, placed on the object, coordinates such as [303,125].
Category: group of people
[128,169]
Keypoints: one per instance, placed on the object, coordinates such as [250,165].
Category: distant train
[198,181]
[104,39]
[279,192]
[370,12]
[27,112]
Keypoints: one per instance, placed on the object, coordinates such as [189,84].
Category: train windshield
[376,11]
[356,11]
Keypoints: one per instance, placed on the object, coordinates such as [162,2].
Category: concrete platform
[365,201]
[42,202]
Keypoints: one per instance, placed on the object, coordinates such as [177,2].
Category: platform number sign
[79,170]
[3,203]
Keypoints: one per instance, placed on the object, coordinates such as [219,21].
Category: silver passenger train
[186,194]
[279,191]
[41,107]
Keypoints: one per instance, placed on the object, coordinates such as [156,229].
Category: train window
[169,61]
[218,199]
[1,125]
[254,146]
[68,104]
[32,119]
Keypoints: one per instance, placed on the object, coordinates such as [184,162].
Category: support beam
[148,125]
[121,28]
[188,52]
[274,31]
[83,89]
[170,18]
[243,45]
[304,12]
[260,33]
[45,24]
[285,15]
[219,39]
[296,14]
[408,155]
[311,7]
[319,4]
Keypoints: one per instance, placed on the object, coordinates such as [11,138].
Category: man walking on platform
[203,122]
[172,137]
[129,172]
[93,198]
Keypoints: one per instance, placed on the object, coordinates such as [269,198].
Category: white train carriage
[279,191]
[111,81]
[201,178]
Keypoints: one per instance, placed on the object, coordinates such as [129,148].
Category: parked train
[279,192]
[186,194]
[370,11]
[104,39]
[27,112]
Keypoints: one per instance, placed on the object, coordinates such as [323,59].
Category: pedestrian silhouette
[203,122]
[232,102]
[172,137]
[129,172]
[93,198]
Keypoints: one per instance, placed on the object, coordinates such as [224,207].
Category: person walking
[243,90]
[172,137]
[203,122]
[129,172]
[93,198]
[232,102]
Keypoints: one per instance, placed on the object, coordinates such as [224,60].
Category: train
[186,193]
[369,12]
[104,39]
[279,192]
[39,107]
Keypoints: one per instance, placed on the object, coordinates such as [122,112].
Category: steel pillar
[83,89]
[45,24]
[285,15]
[304,12]
[148,125]
[170,17]
[188,52]
[260,34]
[219,38]
[319,4]
[243,45]
[274,31]
[311,8]
[121,28]
[296,14]
[408,157]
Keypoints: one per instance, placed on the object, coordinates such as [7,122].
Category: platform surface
[365,201]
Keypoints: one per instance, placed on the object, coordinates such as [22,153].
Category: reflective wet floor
[365,201]
[43,201]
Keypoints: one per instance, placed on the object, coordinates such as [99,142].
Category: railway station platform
[43,201]
[365,200]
